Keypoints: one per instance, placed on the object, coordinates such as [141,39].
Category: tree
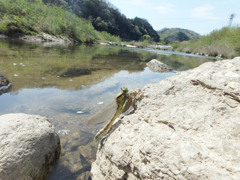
[100,25]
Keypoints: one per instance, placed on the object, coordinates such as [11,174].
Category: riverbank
[185,127]
[43,38]
[28,19]
[219,43]
[51,40]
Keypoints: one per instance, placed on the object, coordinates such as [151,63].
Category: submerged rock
[185,127]
[157,66]
[4,84]
[29,147]
[75,72]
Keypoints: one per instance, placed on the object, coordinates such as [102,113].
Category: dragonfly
[123,101]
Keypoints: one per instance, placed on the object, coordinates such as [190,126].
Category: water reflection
[70,84]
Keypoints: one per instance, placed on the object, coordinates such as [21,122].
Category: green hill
[105,17]
[170,35]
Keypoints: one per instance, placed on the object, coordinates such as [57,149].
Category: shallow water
[69,84]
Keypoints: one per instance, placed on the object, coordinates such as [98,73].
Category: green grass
[18,17]
[224,42]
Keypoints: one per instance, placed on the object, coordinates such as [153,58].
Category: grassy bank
[21,17]
[223,43]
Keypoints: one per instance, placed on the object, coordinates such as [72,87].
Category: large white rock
[185,127]
[29,147]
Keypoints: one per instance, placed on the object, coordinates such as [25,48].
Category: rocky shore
[47,39]
[184,127]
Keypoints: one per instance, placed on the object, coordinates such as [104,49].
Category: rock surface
[4,84]
[157,66]
[185,127]
[29,147]
[47,38]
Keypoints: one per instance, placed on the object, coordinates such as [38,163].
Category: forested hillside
[105,17]
[169,35]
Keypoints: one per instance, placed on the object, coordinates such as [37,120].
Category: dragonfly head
[124,90]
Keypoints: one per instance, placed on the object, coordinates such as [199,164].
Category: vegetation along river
[70,84]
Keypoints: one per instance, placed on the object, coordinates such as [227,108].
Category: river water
[70,84]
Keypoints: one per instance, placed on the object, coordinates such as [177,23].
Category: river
[69,84]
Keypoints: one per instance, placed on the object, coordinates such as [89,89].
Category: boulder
[157,66]
[29,147]
[184,127]
[4,84]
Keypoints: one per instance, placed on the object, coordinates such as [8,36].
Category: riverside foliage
[224,42]
[19,17]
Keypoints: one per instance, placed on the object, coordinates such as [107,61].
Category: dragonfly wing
[103,115]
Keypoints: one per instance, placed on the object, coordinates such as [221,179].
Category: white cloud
[204,12]
[166,8]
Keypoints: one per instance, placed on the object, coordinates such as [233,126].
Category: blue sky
[201,16]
